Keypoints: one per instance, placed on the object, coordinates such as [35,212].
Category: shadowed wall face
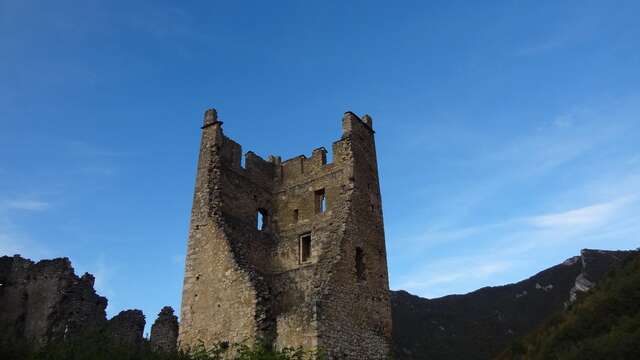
[45,302]
[164,332]
[291,253]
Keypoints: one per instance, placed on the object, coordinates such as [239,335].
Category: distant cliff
[479,325]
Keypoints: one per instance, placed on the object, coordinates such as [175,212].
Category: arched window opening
[360,269]
[262,219]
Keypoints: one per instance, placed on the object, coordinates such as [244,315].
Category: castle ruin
[290,253]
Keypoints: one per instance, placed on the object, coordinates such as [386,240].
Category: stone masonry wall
[244,283]
[360,299]
[45,301]
[127,328]
[219,300]
[164,331]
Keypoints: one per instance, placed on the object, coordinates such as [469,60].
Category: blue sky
[507,131]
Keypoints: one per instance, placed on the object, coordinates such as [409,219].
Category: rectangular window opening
[305,248]
[360,267]
[296,215]
[320,201]
[243,160]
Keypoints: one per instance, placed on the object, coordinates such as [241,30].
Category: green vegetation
[95,347]
[602,324]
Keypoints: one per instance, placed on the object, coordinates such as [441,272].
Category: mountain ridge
[600,325]
[477,325]
[480,324]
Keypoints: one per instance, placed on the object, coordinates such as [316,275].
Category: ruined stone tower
[291,252]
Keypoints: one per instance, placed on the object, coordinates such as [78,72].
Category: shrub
[98,347]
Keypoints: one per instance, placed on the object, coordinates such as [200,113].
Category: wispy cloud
[26,204]
[563,121]
[102,274]
[581,27]
[501,247]
[101,169]
[13,239]
[10,243]
[165,22]
[86,149]
[553,42]
[445,276]
[592,215]
[105,275]
[565,187]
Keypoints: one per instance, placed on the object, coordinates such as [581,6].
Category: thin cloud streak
[515,242]
[436,278]
[24,204]
[13,239]
[586,216]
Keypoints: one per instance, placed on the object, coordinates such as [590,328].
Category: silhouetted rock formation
[127,328]
[45,301]
[164,331]
[479,325]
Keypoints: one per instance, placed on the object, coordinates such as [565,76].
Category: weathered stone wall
[244,283]
[127,328]
[164,331]
[360,299]
[46,301]
[219,299]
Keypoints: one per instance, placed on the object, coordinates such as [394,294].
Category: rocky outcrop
[479,325]
[602,324]
[45,301]
[595,263]
[127,328]
[164,331]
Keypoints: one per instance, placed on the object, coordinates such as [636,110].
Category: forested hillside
[603,324]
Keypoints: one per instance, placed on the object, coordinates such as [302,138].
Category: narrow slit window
[305,247]
[320,201]
[360,270]
[296,215]
[262,219]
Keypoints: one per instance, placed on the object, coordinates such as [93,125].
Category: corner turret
[211,118]
[351,121]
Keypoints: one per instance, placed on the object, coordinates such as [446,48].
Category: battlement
[293,169]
